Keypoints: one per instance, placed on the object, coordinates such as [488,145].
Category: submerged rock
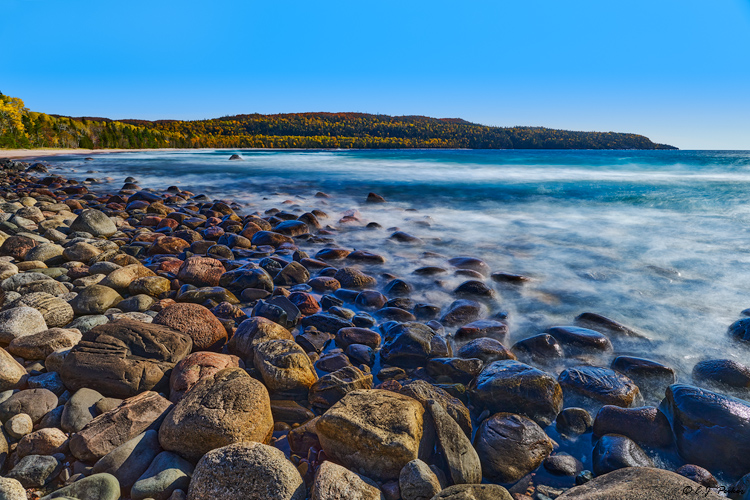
[595,385]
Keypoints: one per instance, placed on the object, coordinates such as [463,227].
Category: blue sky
[677,71]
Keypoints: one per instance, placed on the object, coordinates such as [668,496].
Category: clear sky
[677,71]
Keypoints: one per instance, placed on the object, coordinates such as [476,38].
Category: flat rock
[594,385]
[125,357]
[55,311]
[462,461]
[109,430]
[33,402]
[130,460]
[42,344]
[473,492]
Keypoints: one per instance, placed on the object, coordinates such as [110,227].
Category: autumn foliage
[21,128]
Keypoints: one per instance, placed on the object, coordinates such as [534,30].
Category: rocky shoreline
[160,344]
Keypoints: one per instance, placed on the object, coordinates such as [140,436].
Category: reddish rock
[249,230]
[148,237]
[195,367]
[162,304]
[168,245]
[201,271]
[109,430]
[17,247]
[204,328]
[151,221]
[169,266]
[305,302]
[171,223]
[324,284]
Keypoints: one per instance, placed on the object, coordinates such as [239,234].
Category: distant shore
[34,153]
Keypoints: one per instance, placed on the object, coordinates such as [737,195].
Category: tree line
[21,128]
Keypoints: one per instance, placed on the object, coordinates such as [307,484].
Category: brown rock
[284,367]
[17,247]
[109,430]
[168,245]
[254,331]
[42,442]
[224,408]
[124,357]
[201,271]
[374,432]
[195,367]
[204,328]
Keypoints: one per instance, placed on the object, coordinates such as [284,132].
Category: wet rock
[168,472]
[646,425]
[270,238]
[20,321]
[334,482]
[513,386]
[595,386]
[614,451]
[33,402]
[485,349]
[353,278]
[95,487]
[418,482]
[284,367]
[347,336]
[710,430]
[375,432]
[324,284]
[471,263]
[461,460]
[542,348]
[562,464]
[454,369]
[42,344]
[254,331]
[328,323]
[80,410]
[370,299]
[423,392]
[201,271]
[290,412]
[305,303]
[473,492]
[407,345]
[129,460]
[699,475]
[722,372]
[35,471]
[740,329]
[510,446]
[650,376]
[224,408]
[474,288]
[125,357]
[195,367]
[402,237]
[293,273]
[605,325]
[651,484]
[265,471]
[109,430]
[94,222]
[461,312]
[330,388]
[574,421]
[482,329]
[576,340]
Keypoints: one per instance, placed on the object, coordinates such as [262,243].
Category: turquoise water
[659,240]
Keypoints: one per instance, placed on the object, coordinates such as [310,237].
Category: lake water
[658,240]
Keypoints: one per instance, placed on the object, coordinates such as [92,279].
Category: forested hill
[21,128]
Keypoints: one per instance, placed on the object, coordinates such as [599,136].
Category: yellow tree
[12,111]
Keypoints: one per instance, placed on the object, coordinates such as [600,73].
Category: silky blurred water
[658,240]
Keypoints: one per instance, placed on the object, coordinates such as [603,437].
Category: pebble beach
[159,343]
